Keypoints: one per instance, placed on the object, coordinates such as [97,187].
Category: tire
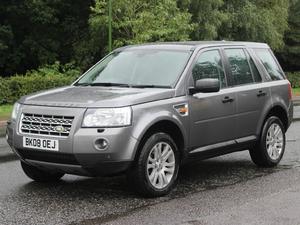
[155,170]
[270,148]
[39,175]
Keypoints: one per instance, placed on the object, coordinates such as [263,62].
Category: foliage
[256,20]
[208,17]
[34,33]
[47,77]
[291,53]
[296,91]
[139,21]
[38,32]
[294,78]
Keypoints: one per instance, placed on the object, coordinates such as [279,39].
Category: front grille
[46,124]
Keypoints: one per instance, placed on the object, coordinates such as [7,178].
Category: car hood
[72,96]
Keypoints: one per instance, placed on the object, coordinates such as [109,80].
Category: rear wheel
[39,175]
[270,148]
[155,171]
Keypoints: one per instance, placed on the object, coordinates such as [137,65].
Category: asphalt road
[225,190]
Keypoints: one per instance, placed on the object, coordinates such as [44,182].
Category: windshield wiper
[103,84]
[82,84]
[110,84]
[107,84]
[149,86]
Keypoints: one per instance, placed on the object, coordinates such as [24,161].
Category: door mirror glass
[206,85]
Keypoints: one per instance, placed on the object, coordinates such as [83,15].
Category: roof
[191,45]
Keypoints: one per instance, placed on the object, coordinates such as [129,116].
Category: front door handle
[227,99]
[261,93]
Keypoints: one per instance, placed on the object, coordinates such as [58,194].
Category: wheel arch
[168,126]
[279,111]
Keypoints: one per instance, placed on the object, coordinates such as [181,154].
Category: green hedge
[294,78]
[12,88]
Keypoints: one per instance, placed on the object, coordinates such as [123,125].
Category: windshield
[149,68]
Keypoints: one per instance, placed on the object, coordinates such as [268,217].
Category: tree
[37,32]
[139,21]
[208,17]
[291,54]
[256,20]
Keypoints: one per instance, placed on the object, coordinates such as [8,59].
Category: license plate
[40,143]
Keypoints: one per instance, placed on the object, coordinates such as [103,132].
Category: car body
[204,119]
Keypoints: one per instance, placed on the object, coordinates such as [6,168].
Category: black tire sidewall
[271,120]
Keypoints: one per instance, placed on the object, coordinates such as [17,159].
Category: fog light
[101,144]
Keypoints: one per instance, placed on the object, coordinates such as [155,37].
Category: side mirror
[207,85]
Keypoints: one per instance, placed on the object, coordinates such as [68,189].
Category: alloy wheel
[274,141]
[161,165]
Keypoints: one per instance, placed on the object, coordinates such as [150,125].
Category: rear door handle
[227,99]
[261,93]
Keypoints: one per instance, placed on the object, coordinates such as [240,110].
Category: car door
[212,115]
[251,92]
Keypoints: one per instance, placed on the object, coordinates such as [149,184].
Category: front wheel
[39,175]
[155,171]
[270,148]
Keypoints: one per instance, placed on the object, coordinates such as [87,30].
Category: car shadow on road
[193,177]
[105,198]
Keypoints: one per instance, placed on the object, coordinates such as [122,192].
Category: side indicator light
[182,109]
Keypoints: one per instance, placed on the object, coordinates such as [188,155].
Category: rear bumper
[291,113]
[78,153]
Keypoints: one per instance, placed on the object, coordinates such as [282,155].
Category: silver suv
[147,109]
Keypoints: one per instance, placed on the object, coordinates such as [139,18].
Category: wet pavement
[207,192]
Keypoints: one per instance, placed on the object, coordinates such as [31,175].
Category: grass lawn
[296,91]
[5,111]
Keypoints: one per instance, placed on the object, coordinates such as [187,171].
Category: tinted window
[240,70]
[270,64]
[209,65]
[254,70]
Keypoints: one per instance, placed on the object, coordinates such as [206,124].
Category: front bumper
[77,153]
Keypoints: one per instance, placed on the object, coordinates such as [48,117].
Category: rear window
[270,64]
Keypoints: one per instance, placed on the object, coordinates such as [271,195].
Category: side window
[269,63]
[240,69]
[209,65]
[254,70]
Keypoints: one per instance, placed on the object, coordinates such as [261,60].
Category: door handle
[227,99]
[261,93]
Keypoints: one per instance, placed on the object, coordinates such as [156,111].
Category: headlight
[16,110]
[107,117]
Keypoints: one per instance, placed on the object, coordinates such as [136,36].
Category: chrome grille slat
[45,124]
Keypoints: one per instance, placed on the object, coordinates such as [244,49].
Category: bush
[12,88]
[294,78]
